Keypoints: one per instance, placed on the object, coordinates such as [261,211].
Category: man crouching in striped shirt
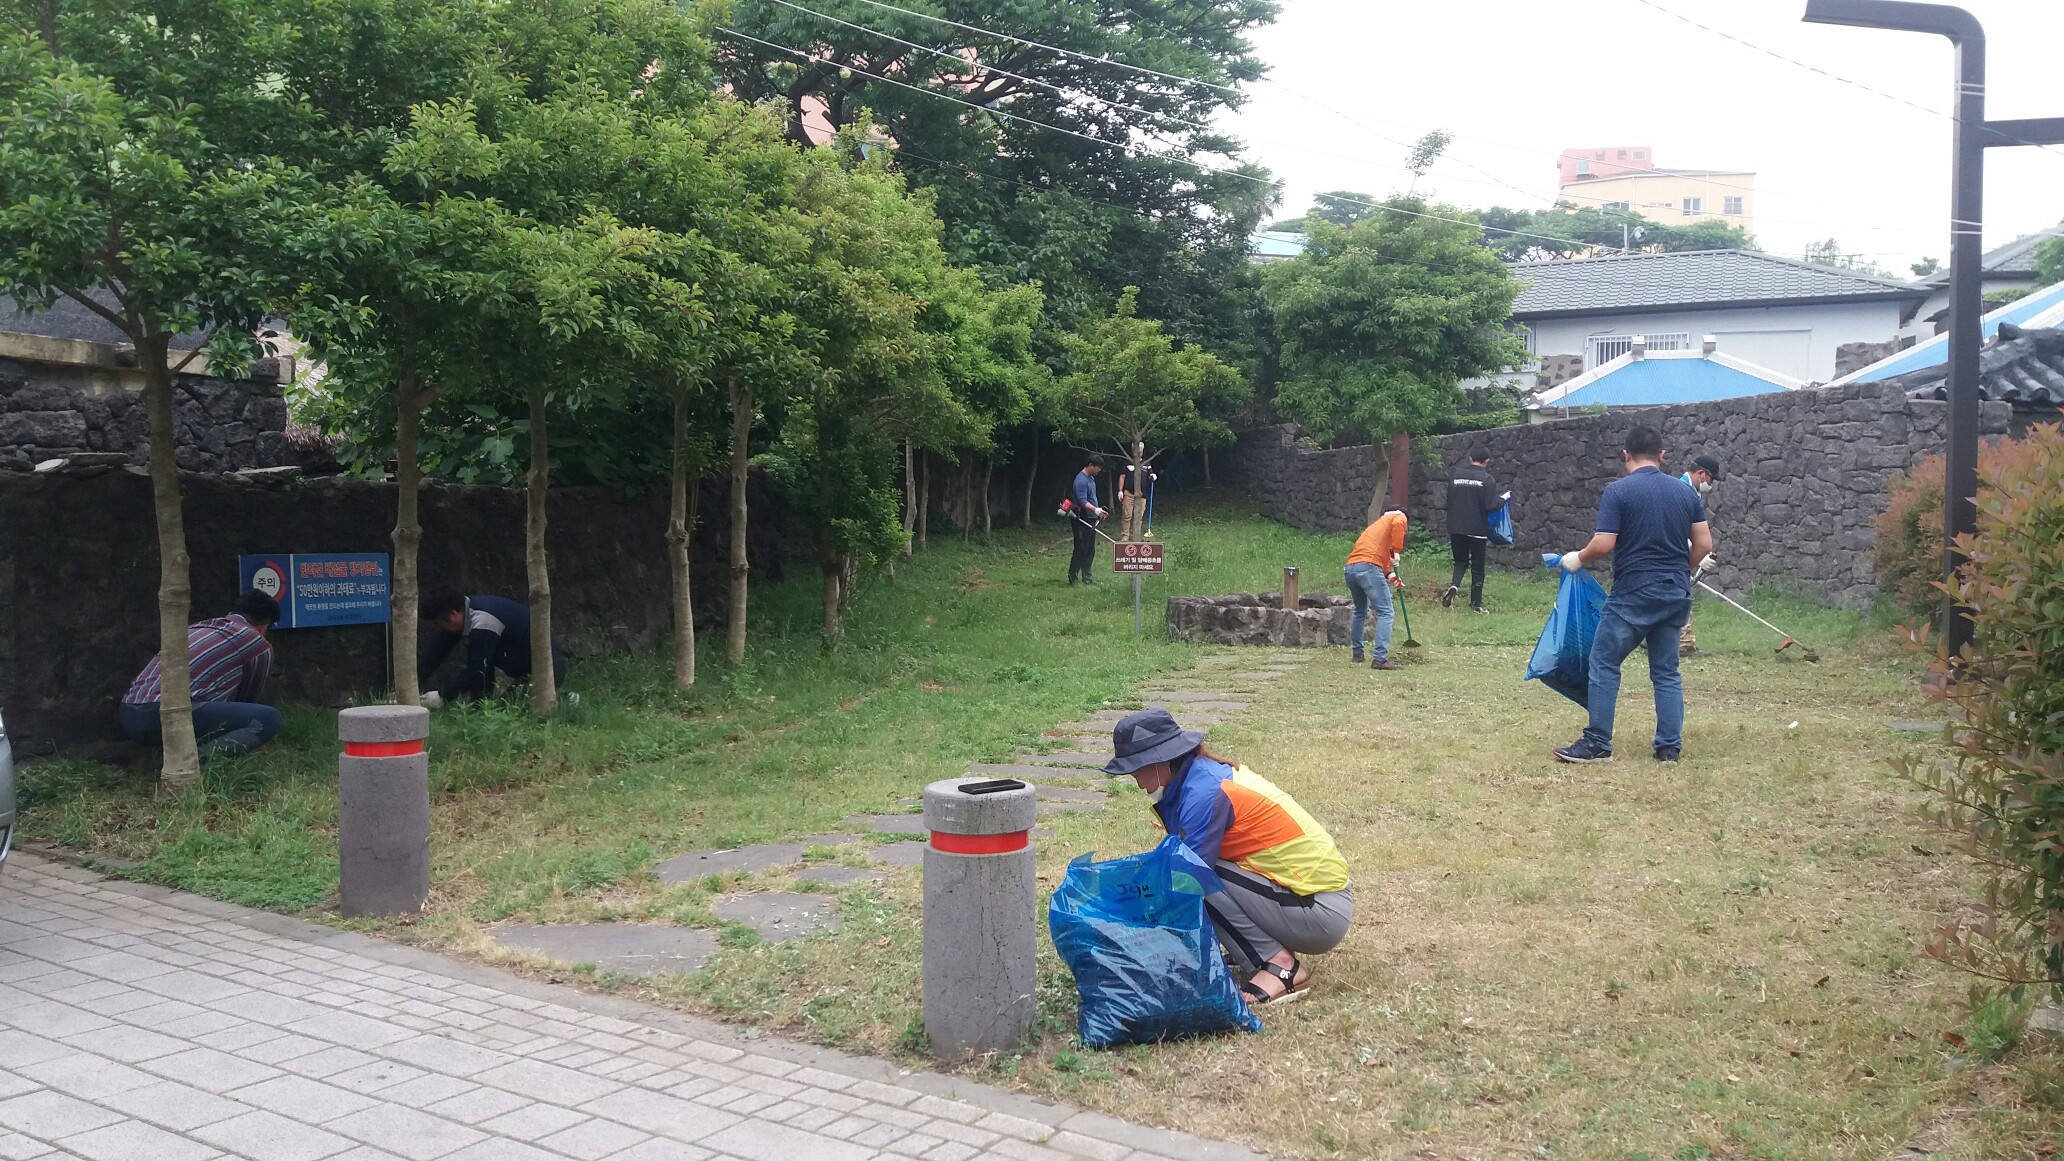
[230,663]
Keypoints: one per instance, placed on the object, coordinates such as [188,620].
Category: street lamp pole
[1973,135]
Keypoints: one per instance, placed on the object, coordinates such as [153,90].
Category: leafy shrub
[2003,789]
[1908,553]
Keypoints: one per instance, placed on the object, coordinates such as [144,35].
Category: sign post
[1138,558]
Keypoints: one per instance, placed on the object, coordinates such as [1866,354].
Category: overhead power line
[1130,148]
[1488,178]
[1813,68]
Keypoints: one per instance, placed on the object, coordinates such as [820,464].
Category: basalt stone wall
[1805,478]
[79,575]
[1259,619]
[49,410]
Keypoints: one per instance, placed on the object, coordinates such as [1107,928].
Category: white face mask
[1705,486]
[1154,795]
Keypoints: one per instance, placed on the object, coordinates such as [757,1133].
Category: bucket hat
[1146,737]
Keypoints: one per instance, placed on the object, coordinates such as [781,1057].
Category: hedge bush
[1908,552]
[2003,789]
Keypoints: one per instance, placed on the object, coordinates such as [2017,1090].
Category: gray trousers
[1257,917]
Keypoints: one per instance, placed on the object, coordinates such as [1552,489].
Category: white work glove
[433,700]
[1707,565]
[1572,562]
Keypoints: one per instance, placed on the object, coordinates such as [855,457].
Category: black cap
[1710,463]
[1146,737]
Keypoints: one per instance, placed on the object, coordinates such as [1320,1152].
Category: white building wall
[1798,341]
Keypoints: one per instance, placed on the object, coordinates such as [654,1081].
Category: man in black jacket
[1472,496]
[496,632]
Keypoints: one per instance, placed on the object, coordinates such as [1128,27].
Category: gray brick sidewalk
[141,1024]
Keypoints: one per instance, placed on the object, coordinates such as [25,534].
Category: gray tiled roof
[2015,259]
[1623,282]
[2022,367]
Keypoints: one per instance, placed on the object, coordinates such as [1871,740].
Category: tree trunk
[909,498]
[544,688]
[410,401]
[1207,467]
[964,505]
[831,560]
[1380,469]
[988,477]
[1031,477]
[741,569]
[679,526]
[924,495]
[1400,468]
[181,768]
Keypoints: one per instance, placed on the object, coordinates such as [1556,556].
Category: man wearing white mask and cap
[1704,473]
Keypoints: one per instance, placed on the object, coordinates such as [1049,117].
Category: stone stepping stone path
[888,823]
[697,865]
[898,854]
[1068,758]
[1025,772]
[1260,675]
[1188,695]
[830,876]
[632,949]
[779,916]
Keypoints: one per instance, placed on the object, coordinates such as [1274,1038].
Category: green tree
[1082,217]
[1829,252]
[1136,388]
[1342,207]
[140,176]
[1925,267]
[2049,261]
[1381,322]
[1569,232]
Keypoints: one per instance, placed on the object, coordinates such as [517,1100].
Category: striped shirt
[227,659]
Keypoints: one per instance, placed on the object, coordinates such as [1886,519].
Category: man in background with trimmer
[1704,473]
[1087,514]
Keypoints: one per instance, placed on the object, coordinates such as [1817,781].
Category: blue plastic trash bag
[1135,934]
[1500,521]
[1562,657]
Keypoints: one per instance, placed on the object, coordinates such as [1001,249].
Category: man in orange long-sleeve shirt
[1371,571]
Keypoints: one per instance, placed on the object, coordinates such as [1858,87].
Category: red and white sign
[1142,557]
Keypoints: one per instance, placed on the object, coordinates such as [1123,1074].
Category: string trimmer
[1783,645]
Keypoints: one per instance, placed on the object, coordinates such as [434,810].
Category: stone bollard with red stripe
[981,910]
[383,810]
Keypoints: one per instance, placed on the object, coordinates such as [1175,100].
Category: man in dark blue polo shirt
[1655,530]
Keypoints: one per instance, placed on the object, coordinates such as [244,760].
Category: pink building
[1579,165]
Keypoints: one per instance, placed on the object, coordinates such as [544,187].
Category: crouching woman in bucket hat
[1283,887]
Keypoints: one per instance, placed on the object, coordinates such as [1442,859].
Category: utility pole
[1973,136]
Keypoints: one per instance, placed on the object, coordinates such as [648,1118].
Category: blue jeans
[224,728]
[1366,585]
[1627,622]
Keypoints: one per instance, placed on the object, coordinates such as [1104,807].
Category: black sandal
[1290,994]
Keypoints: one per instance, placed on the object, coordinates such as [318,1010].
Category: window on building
[1623,155]
[1694,206]
[1641,155]
[1600,155]
[1623,206]
[1606,348]
[1583,165]
[1730,206]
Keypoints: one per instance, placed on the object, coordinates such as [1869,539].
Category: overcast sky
[1516,81]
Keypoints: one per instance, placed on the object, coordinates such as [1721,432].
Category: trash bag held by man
[1134,933]
[1500,521]
[1562,657]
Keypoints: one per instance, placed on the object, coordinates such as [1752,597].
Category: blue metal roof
[1935,352]
[1648,382]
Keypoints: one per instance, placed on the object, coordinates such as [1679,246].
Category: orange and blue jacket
[1237,815]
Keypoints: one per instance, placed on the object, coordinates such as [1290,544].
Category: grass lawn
[1715,959]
